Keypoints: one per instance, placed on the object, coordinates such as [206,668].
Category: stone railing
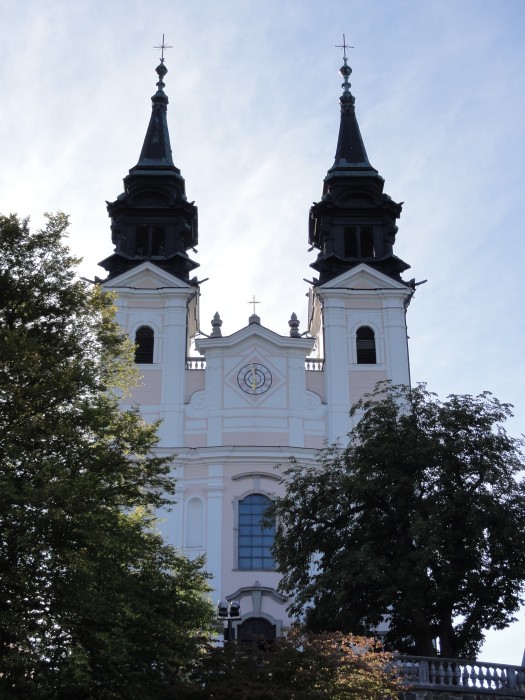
[195,363]
[314,365]
[460,677]
[200,363]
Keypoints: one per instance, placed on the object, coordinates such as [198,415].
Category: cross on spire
[253,302]
[344,46]
[162,47]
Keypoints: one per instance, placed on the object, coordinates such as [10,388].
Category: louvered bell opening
[144,340]
[366,346]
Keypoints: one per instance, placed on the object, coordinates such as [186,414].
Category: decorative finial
[294,326]
[347,100]
[165,46]
[216,324]
[161,69]
[345,69]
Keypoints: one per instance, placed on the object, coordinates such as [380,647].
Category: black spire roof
[355,221]
[152,219]
[350,152]
[156,150]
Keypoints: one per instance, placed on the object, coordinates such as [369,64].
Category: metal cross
[253,302]
[344,46]
[162,47]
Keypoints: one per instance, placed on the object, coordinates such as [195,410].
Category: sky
[254,117]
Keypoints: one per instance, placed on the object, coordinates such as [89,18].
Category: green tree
[298,666]
[92,603]
[420,519]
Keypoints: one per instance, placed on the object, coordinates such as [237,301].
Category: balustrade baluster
[519,679]
[441,673]
[465,676]
[491,677]
[512,679]
[473,677]
[449,674]
[423,668]
[457,674]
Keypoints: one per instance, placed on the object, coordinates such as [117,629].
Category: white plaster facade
[227,442]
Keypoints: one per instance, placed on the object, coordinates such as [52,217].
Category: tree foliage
[420,519]
[92,603]
[298,666]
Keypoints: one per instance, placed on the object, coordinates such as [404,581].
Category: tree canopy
[418,520]
[297,666]
[93,604]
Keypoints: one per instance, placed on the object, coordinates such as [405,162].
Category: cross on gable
[253,302]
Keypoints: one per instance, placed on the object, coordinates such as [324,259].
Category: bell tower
[358,302]
[153,226]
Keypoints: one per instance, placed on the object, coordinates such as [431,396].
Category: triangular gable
[254,332]
[362,276]
[145,276]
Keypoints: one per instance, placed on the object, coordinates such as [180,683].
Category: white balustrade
[461,675]
[316,365]
[195,363]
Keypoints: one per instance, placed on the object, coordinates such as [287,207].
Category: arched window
[366,346]
[195,523]
[149,240]
[256,628]
[141,240]
[157,241]
[351,244]
[144,340]
[367,242]
[359,242]
[255,538]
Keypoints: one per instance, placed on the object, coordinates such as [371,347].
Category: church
[232,407]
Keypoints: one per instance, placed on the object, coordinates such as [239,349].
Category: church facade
[236,406]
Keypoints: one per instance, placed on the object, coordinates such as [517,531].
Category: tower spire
[156,150]
[152,219]
[354,222]
[350,151]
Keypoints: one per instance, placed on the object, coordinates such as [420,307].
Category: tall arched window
[144,340]
[366,346]
[195,523]
[255,538]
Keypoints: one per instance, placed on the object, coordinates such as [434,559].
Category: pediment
[363,277]
[146,276]
[255,334]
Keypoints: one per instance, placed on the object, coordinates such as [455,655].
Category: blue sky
[254,88]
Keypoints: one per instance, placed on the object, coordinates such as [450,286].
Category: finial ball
[161,70]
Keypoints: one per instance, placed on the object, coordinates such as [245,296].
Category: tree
[92,603]
[298,666]
[419,519]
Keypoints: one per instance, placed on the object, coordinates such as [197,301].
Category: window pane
[255,541]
